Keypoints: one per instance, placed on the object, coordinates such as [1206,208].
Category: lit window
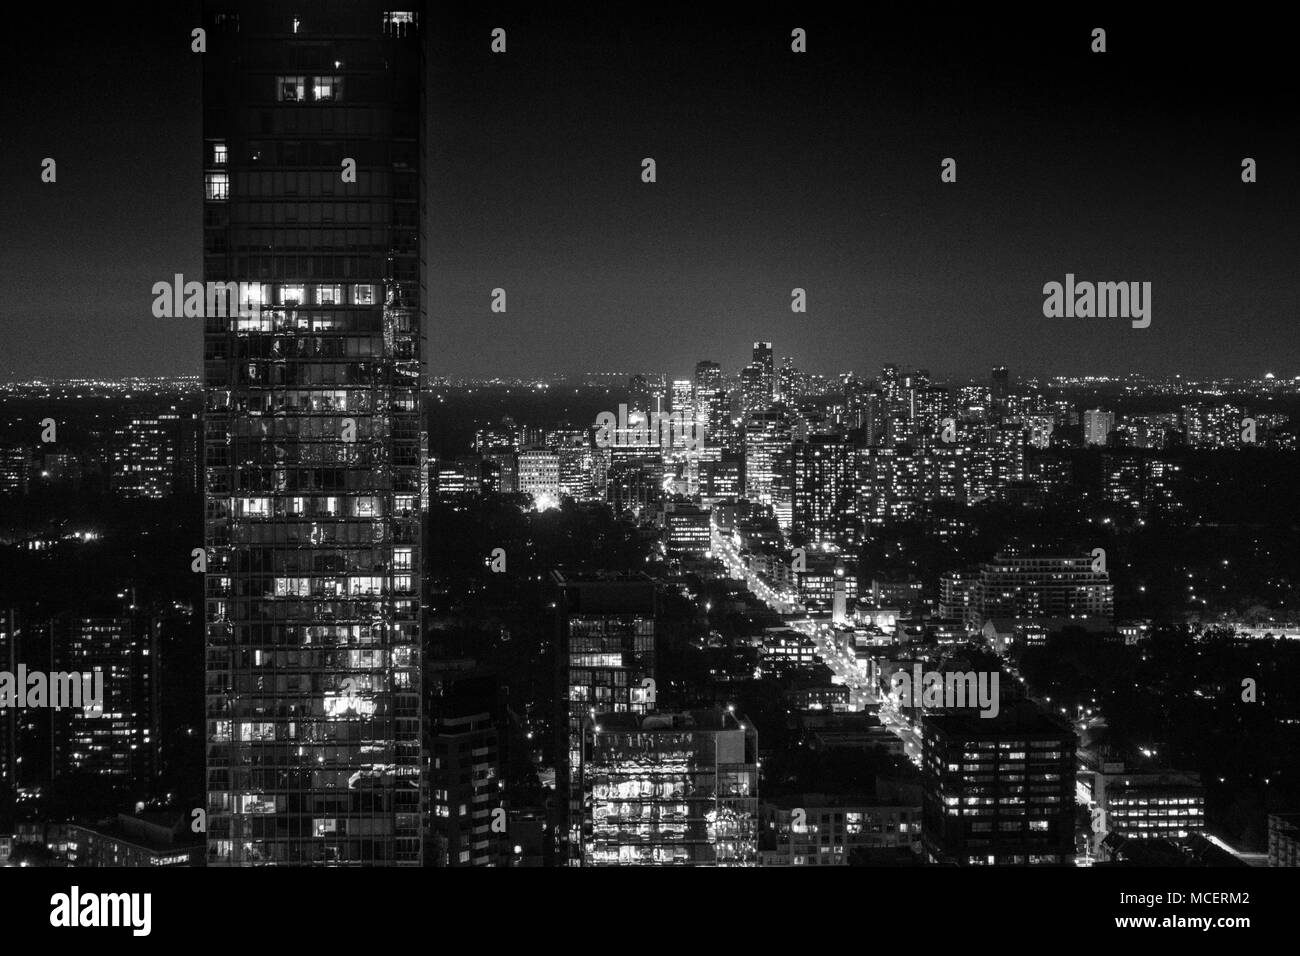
[291,89]
[219,154]
[329,294]
[399,22]
[291,295]
[328,88]
[363,295]
[216,186]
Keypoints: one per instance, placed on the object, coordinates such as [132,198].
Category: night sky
[775,170]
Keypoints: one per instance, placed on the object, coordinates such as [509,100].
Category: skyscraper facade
[670,789]
[606,654]
[313,203]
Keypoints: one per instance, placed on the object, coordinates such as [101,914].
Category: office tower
[721,478]
[503,436]
[1000,388]
[450,479]
[763,358]
[890,383]
[120,740]
[999,790]
[15,463]
[755,390]
[1031,586]
[465,784]
[576,467]
[789,384]
[823,499]
[154,456]
[768,447]
[670,789]
[687,529]
[313,433]
[1146,805]
[605,651]
[1097,426]
[683,398]
[707,384]
[501,472]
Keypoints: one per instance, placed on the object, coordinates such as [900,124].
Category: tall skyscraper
[763,357]
[312,139]
[768,480]
[1000,387]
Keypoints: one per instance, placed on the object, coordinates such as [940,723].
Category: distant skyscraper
[755,390]
[121,742]
[539,475]
[314,472]
[823,499]
[788,384]
[1000,387]
[768,477]
[15,463]
[763,386]
[1097,426]
[156,455]
[683,398]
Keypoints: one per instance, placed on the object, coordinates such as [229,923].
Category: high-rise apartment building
[1030,586]
[467,816]
[155,455]
[768,449]
[119,739]
[1097,426]
[313,203]
[822,478]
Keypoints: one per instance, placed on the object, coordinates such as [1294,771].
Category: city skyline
[775,171]
[661,438]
